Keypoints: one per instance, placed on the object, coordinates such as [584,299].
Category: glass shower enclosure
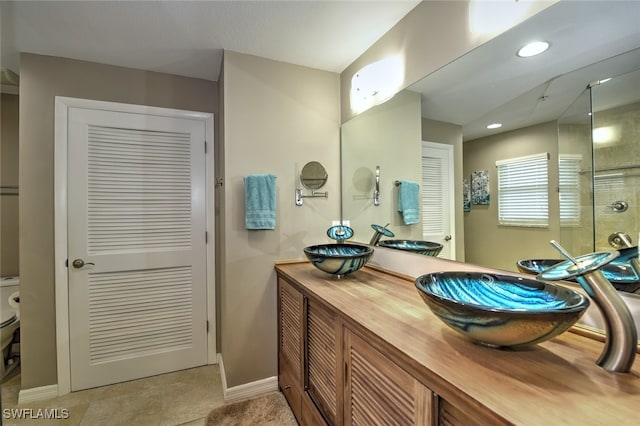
[599,164]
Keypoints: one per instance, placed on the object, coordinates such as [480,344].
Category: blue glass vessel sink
[626,254]
[501,310]
[338,259]
[535,266]
[427,248]
[619,272]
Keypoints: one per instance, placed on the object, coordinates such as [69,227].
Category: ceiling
[188,37]
[590,40]
[486,85]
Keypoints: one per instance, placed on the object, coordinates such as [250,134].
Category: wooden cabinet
[291,345]
[378,392]
[313,348]
[323,361]
[365,350]
[450,415]
[331,375]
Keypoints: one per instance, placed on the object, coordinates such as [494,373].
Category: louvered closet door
[438,197]
[136,212]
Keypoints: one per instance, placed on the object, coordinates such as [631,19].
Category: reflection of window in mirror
[569,188]
[523,190]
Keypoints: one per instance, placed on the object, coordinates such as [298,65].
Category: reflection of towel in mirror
[260,201]
[409,202]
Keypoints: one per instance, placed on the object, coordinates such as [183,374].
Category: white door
[438,197]
[136,245]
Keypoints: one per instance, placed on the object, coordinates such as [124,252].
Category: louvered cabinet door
[449,415]
[290,344]
[378,392]
[466,414]
[323,360]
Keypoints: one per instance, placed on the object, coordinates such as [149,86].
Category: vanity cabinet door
[323,359]
[466,414]
[290,344]
[379,392]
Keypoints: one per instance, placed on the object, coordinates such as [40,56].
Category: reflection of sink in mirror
[501,310]
[338,259]
[427,248]
[620,274]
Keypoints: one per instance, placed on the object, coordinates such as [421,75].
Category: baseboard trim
[37,394]
[247,390]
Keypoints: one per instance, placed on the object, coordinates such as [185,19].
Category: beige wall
[277,117]
[433,34]
[450,134]
[9,259]
[41,79]
[487,243]
[387,136]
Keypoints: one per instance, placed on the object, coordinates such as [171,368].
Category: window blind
[569,188]
[523,190]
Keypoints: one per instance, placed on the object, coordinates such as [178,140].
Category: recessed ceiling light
[532,49]
[494,126]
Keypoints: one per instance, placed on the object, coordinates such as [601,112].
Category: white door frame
[452,195]
[62,105]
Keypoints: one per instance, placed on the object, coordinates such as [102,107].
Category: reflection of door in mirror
[438,197]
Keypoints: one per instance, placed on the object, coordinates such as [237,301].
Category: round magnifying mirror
[313,175]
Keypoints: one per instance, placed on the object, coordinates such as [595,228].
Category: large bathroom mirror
[551,104]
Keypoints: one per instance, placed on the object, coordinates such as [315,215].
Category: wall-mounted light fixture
[375,83]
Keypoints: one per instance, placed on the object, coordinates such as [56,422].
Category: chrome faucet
[379,231]
[376,192]
[621,334]
[620,240]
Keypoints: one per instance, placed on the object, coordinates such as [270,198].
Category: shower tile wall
[617,163]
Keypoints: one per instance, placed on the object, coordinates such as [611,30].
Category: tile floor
[180,398]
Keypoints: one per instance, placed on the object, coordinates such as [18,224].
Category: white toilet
[9,322]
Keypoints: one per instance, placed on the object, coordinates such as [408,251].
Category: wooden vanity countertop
[552,383]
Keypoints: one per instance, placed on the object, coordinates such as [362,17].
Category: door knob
[79,263]
[447,238]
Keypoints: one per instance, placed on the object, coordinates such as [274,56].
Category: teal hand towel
[260,201]
[409,202]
